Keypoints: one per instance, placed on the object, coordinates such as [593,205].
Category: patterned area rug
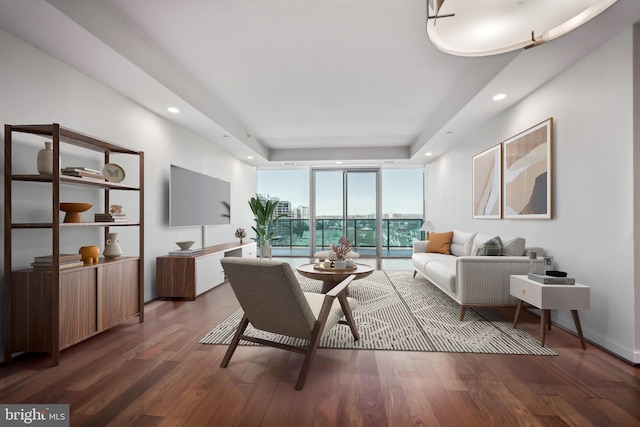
[398,312]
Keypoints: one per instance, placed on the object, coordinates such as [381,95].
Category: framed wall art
[487,183]
[527,174]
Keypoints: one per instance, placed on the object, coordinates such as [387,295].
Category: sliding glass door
[345,202]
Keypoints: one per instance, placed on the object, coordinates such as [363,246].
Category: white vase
[45,159]
[265,251]
[112,248]
[340,264]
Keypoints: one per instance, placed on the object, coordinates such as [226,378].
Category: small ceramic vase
[112,248]
[341,264]
[45,159]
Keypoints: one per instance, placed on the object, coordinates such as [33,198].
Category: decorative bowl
[185,245]
[73,210]
[556,273]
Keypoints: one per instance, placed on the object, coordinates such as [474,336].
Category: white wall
[591,236]
[38,89]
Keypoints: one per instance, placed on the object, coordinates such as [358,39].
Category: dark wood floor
[156,374]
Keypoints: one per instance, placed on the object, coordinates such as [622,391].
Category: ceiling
[298,81]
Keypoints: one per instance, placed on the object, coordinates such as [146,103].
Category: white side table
[550,297]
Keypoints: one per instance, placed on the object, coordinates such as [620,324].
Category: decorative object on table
[185,245]
[74,211]
[114,215]
[45,159]
[112,248]
[241,234]
[342,250]
[340,264]
[487,183]
[350,263]
[326,263]
[64,261]
[533,255]
[89,254]
[83,172]
[264,212]
[556,273]
[527,173]
[427,227]
[113,172]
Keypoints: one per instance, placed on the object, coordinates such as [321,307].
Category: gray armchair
[273,301]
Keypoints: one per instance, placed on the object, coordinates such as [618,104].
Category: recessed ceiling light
[250,157]
[173,110]
[428,154]
[338,162]
[499,96]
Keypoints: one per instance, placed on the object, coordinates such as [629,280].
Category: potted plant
[265,217]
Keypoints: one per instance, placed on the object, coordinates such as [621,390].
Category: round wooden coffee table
[330,276]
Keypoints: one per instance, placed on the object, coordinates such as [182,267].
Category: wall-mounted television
[197,199]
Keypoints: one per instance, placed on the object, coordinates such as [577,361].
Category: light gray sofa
[473,280]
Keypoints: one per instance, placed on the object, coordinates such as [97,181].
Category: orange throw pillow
[440,242]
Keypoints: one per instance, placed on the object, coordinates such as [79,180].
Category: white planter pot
[265,251]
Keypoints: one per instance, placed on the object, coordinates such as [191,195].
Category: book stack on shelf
[84,173]
[45,262]
[186,252]
[110,217]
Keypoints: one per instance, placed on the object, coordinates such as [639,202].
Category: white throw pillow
[461,243]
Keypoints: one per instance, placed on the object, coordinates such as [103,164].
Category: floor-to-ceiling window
[379,209]
[345,203]
[291,188]
[402,209]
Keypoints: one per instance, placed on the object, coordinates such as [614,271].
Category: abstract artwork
[487,185]
[527,173]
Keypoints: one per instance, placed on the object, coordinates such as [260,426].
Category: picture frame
[487,183]
[527,173]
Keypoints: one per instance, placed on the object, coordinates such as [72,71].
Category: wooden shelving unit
[47,311]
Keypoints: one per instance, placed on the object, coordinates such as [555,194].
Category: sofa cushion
[461,243]
[513,246]
[443,274]
[440,242]
[492,247]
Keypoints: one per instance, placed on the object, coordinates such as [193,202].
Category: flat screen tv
[197,199]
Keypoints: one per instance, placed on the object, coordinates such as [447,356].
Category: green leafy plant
[265,217]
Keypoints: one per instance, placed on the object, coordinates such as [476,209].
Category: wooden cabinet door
[117,292]
[77,312]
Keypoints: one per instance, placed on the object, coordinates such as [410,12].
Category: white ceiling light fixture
[490,27]
[173,110]
[499,96]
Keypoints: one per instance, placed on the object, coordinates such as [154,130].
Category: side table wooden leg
[544,319]
[576,321]
[517,316]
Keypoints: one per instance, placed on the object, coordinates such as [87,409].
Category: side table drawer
[526,291]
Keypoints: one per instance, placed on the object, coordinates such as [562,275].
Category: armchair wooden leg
[463,311]
[242,326]
[348,314]
[414,273]
[310,354]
